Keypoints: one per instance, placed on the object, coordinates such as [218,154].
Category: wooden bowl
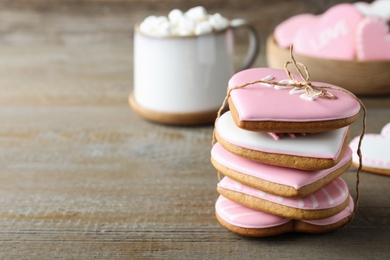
[359,77]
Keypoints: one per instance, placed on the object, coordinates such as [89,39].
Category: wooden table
[83,177]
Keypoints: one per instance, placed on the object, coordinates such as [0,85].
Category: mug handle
[254,43]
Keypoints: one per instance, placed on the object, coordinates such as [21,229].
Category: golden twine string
[311,91]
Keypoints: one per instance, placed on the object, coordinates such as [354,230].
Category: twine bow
[311,91]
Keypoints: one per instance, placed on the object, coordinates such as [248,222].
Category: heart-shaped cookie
[285,32]
[373,38]
[323,203]
[375,150]
[332,35]
[253,223]
[273,108]
[311,152]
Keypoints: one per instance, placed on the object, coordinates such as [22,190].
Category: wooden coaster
[195,118]
[359,77]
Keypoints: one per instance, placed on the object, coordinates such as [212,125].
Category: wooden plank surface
[83,177]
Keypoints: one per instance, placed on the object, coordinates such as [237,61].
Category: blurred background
[67,22]
[47,42]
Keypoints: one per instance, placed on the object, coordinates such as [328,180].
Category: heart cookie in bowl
[285,32]
[373,39]
[375,150]
[331,35]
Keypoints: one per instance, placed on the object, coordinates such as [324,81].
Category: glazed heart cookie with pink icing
[323,203]
[373,38]
[306,152]
[280,181]
[284,109]
[285,32]
[245,221]
[332,35]
[375,150]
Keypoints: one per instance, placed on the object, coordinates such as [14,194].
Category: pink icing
[285,32]
[258,102]
[329,196]
[331,35]
[375,149]
[333,219]
[241,216]
[373,38]
[285,176]
[325,145]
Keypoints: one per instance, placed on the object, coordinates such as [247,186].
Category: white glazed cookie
[375,150]
[311,152]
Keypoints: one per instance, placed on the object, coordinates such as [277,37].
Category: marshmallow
[161,19]
[174,16]
[163,29]
[203,28]
[187,24]
[147,25]
[196,21]
[218,22]
[198,14]
[153,25]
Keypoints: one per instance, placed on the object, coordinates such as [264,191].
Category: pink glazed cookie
[285,32]
[280,181]
[310,152]
[373,40]
[272,108]
[253,223]
[323,203]
[331,35]
[375,150]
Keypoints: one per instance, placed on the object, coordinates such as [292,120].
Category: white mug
[183,80]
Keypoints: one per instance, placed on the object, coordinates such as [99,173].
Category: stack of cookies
[282,151]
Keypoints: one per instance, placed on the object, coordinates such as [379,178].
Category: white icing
[225,209]
[297,91]
[314,200]
[238,186]
[246,217]
[375,149]
[267,78]
[311,96]
[284,81]
[338,30]
[326,197]
[339,189]
[318,145]
[326,193]
[252,213]
[277,87]
[308,97]
[261,193]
